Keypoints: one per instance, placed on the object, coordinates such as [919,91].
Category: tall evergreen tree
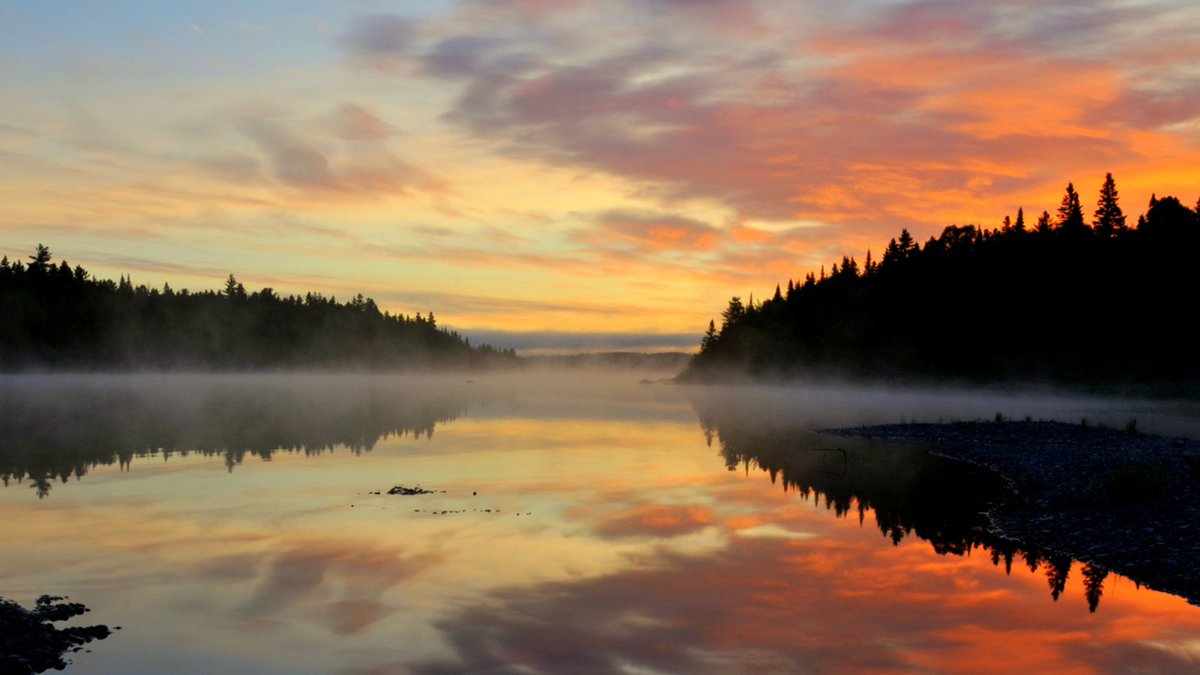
[1019,226]
[1093,584]
[1070,215]
[234,288]
[710,336]
[733,313]
[1043,223]
[40,260]
[1109,218]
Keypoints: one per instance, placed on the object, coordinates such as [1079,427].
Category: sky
[569,172]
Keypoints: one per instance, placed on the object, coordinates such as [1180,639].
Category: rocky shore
[31,643]
[1117,499]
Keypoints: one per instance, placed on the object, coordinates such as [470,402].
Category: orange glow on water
[600,522]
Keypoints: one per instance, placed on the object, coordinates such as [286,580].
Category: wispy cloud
[369,169]
[875,116]
[650,156]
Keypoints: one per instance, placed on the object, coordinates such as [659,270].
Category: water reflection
[60,427]
[635,550]
[908,490]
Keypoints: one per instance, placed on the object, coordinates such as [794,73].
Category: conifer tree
[1019,226]
[1109,218]
[1043,223]
[1093,584]
[234,288]
[40,260]
[710,336]
[1070,216]
[733,313]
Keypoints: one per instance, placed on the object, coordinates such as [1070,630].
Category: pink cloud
[656,520]
[323,171]
[916,115]
[357,123]
[650,231]
[774,605]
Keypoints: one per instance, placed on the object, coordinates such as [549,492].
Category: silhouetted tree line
[57,316]
[60,430]
[1060,300]
[909,491]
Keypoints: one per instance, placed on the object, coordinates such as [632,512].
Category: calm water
[578,523]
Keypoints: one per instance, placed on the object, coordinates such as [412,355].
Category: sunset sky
[539,171]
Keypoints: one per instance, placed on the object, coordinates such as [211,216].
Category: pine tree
[1109,218]
[1093,584]
[1058,569]
[1019,226]
[710,336]
[850,267]
[1043,224]
[234,289]
[1070,216]
[733,313]
[40,261]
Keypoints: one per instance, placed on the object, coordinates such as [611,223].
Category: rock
[409,491]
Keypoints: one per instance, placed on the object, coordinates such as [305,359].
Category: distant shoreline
[1118,499]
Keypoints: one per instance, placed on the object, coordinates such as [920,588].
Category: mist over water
[574,520]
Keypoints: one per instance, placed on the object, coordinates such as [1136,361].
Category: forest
[59,317]
[1062,301]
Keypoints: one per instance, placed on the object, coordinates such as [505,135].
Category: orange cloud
[957,110]
[656,520]
[656,231]
[631,146]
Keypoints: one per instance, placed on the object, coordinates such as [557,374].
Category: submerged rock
[408,491]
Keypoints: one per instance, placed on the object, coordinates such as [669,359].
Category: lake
[565,522]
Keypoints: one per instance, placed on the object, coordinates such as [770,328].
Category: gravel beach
[1118,499]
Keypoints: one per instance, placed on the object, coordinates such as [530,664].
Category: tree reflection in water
[60,427]
[909,490]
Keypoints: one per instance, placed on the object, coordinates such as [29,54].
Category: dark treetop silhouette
[58,317]
[1064,301]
